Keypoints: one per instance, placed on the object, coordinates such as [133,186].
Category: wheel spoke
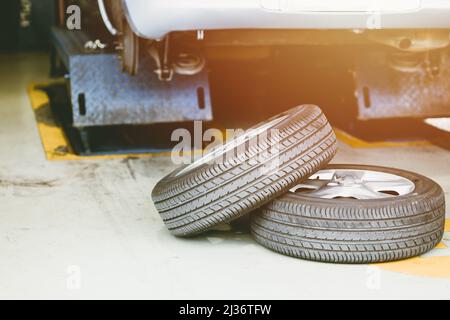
[399,186]
[327,192]
[372,194]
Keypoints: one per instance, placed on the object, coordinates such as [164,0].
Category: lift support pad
[102,95]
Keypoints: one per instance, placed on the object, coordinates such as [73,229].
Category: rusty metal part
[410,62]
[411,40]
[116,15]
[433,63]
[129,49]
[106,19]
[242,53]
[406,61]
[188,63]
[159,52]
[61,12]
[127,42]
[253,38]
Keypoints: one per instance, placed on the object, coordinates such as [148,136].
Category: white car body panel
[153,19]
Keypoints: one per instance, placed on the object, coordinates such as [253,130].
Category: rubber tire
[212,194]
[354,231]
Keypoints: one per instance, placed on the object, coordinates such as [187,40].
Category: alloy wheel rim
[355,184]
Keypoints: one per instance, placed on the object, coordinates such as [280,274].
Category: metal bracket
[383,92]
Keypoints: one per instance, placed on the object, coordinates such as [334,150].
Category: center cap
[347,178]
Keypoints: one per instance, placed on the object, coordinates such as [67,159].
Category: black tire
[213,193]
[354,231]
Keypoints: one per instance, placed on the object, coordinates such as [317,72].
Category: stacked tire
[347,230]
[199,196]
[262,173]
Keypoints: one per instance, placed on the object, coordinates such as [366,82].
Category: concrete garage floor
[87,229]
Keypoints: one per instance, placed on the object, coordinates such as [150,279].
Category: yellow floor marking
[441,246]
[358,143]
[433,267]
